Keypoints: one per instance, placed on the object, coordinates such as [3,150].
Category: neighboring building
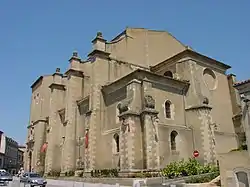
[11,154]
[20,157]
[139,101]
[2,149]
[235,165]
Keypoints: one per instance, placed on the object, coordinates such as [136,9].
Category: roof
[124,32]
[189,52]
[242,82]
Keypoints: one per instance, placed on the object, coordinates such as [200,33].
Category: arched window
[173,140]
[116,138]
[168,109]
[168,74]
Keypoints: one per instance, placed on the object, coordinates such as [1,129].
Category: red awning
[44,147]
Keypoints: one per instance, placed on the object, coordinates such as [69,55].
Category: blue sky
[38,36]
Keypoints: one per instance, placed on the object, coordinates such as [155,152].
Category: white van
[2,170]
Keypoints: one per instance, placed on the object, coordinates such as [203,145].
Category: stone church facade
[139,101]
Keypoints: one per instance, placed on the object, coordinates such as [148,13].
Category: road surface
[16,183]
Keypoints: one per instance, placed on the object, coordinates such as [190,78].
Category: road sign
[196,153]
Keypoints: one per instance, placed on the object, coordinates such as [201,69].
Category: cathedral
[138,101]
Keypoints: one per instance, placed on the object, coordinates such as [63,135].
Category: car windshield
[34,175]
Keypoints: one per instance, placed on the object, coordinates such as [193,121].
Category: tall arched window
[168,74]
[173,140]
[168,109]
[116,138]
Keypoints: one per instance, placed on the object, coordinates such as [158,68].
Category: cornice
[198,107]
[37,121]
[57,86]
[37,81]
[82,100]
[75,58]
[56,73]
[99,53]
[194,56]
[73,72]
[142,75]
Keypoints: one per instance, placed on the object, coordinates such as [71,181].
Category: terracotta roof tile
[242,82]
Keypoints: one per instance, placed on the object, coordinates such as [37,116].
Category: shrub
[105,173]
[54,173]
[70,173]
[187,168]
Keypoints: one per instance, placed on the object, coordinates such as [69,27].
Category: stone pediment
[189,54]
[142,75]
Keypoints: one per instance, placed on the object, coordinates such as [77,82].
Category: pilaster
[203,128]
[73,93]
[87,155]
[131,146]
[53,153]
[150,133]
[40,126]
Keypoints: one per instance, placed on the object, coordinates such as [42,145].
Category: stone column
[73,93]
[150,133]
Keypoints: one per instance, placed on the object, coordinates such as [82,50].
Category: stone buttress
[199,117]
[150,133]
[131,150]
[52,160]
[40,127]
[73,93]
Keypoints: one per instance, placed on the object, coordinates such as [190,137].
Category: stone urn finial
[75,54]
[58,70]
[99,35]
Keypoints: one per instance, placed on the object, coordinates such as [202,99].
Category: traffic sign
[196,153]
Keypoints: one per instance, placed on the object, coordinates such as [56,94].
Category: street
[16,183]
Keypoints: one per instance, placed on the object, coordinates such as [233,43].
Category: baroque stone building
[139,101]
[235,165]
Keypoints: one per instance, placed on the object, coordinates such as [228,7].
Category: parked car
[5,178]
[34,179]
[2,170]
